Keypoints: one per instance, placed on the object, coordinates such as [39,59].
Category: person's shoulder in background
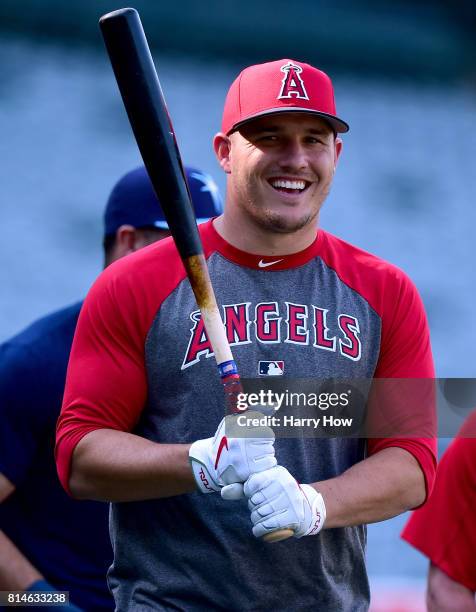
[444,529]
[32,372]
[58,325]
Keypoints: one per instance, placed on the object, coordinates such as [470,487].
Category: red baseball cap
[282,86]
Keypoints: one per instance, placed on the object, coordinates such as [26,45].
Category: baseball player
[48,540]
[141,420]
[443,530]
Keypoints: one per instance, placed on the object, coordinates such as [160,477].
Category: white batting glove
[277,501]
[222,461]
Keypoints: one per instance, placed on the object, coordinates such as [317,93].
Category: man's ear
[222,148]
[125,240]
[337,150]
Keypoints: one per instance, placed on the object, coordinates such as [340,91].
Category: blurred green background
[411,38]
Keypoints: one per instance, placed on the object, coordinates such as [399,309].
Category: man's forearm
[377,488]
[16,572]
[110,465]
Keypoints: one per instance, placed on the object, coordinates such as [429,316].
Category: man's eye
[268,138]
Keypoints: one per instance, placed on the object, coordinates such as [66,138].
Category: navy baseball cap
[133,201]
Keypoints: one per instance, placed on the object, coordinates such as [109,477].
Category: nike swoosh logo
[265,264]
[223,444]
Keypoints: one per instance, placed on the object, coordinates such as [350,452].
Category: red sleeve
[405,350]
[406,355]
[444,529]
[106,384]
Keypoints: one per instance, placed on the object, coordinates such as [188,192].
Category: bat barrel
[133,65]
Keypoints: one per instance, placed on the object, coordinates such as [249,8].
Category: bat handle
[233,388]
[278,535]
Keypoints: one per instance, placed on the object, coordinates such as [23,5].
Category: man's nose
[293,155]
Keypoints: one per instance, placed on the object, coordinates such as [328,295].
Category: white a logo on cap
[292,84]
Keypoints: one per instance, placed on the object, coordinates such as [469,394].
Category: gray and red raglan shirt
[141,363]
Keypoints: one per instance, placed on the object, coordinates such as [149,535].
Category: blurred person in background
[49,541]
[444,529]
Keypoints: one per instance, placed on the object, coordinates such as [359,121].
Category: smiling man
[284,169]
[297,302]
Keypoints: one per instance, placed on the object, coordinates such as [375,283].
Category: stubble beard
[271,221]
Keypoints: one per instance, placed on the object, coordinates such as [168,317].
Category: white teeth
[279,183]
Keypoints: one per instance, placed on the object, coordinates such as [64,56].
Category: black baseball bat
[144,101]
[150,121]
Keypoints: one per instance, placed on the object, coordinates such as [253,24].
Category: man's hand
[277,501]
[222,460]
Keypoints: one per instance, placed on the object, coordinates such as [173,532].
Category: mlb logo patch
[271,368]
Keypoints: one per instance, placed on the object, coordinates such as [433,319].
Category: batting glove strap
[314,512]
[199,457]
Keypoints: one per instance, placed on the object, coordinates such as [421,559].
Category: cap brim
[161,225]
[164,225]
[337,124]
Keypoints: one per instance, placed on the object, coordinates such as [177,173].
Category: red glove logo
[223,444]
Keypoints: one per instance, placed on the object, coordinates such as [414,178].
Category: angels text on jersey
[270,323]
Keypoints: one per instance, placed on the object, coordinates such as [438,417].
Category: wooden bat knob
[278,535]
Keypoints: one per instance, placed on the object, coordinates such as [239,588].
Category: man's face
[281,169]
